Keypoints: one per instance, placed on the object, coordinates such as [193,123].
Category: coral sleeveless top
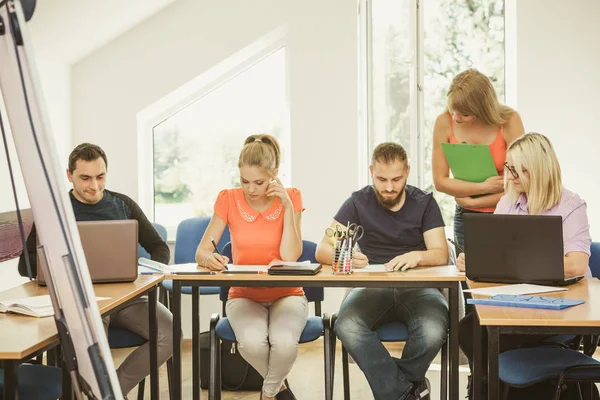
[498,150]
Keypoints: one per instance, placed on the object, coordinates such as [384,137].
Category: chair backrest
[595,260]
[189,235]
[309,249]
[162,231]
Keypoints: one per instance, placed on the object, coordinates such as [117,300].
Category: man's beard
[388,202]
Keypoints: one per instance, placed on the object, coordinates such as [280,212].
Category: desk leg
[453,308]
[176,310]
[477,357]
[195,343]
[493,371]
[445,367]
[154,385]
[11,380]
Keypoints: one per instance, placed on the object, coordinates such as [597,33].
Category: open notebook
[35,306]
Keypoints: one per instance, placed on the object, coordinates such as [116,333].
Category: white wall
[113,84]
[558,87]
[187,38]
[54,77]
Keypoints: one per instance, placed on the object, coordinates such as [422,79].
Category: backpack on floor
[236,373]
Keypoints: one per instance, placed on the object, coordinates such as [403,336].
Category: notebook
[524,301]
[161,268]
[278,267]
[110,249]
[36,306]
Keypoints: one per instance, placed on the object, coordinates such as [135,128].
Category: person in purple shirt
[534,187]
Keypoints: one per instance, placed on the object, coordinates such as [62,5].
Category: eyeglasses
[512,170]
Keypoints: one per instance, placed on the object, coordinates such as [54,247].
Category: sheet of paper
[245,268]
[518,289]
[146,265]
[371,268]
[187,267]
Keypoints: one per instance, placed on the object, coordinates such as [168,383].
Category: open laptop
[110,249]
[515,249]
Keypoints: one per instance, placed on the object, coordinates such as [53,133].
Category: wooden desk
[583,319]
[426,277]
[23,337]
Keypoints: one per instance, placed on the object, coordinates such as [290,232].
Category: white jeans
[268,334]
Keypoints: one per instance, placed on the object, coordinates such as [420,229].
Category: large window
[196,149]
[413,49]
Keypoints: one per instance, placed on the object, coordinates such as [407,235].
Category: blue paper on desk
[525,301]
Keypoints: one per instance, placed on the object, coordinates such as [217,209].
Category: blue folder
[525,301]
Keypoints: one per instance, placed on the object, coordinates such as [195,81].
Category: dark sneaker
[420,391]
[470,394]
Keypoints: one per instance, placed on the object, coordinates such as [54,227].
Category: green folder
[470,162]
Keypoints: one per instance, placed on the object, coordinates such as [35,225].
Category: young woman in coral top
[264,223]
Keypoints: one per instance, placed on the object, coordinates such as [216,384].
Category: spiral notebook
[524,301]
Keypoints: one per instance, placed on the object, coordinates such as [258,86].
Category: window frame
[416,152]
[366,123]
[188,93]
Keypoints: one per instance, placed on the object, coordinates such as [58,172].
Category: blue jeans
[423,311]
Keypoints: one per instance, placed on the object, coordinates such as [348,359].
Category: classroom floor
[306,378]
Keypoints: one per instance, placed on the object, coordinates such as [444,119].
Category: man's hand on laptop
[359,260]
[404,262]
[460,262]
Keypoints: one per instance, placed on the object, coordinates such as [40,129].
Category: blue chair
[553,358]
[162,231]
[119,338]
[189,235]
[595,260]
[37,382]
[530,365]
[315,327]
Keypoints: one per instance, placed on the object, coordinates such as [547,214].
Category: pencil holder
[342,260]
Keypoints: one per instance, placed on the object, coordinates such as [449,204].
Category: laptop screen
[110,249]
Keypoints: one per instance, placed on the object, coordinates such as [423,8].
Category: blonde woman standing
[474,116]
[264,222]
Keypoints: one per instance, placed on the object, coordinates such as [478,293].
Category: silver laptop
[110,249]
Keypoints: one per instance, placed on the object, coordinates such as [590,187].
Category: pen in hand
[216,248]
[456,245]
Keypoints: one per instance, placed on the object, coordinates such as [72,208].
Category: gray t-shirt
[391,233]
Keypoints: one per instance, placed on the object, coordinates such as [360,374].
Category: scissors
[336,233]
[356,232]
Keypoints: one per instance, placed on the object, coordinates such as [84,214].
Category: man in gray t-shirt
[403,229]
